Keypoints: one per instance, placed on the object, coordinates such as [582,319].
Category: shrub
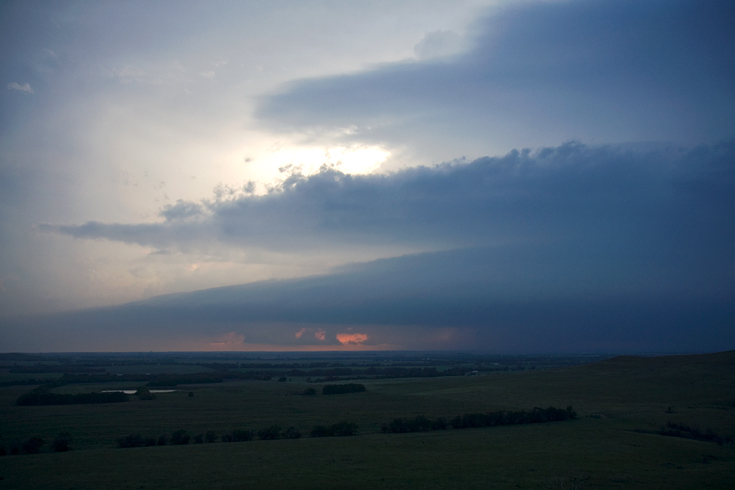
[242,435]
[210,436]
[61,443]
[309,392]
[32,445]
[162,440]
[3,451]
[237,435]
[282,379]
[199,439]
[180,437]
[340,429]
[15,447]
[419,423]
[150,441]
[131,440]
[270,433]
[342,389]
[144,393]
[344,429]
[320,431]
[292,433]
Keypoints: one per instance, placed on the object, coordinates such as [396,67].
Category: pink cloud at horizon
[351,338]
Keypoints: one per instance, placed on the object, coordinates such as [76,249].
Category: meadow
[617,440]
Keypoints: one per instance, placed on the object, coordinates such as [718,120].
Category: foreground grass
[589,451]
[622,402]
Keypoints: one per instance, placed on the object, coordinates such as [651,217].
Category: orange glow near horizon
[351,338]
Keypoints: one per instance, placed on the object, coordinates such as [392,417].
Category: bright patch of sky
[113,110]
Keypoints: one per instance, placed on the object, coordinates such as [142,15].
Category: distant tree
[237,435]
[3,451]
[210,436]
[292,433]
[162,440]
[144,393]
[62,443]
[199,439]
[180,437]
[150,441]
[15,447]
[343,429]
[32,445]
[320,431]
[270,433]
[309,392]
[131,440]
[282,379]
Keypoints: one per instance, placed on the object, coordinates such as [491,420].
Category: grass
[622,404]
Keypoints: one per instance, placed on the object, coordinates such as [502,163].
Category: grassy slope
[614,398]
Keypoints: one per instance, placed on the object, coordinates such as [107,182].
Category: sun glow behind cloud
[280,159]
[268,162]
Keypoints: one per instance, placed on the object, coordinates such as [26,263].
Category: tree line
[33,445]
[474,420]
[399,425]
[41,396]
[681,430]
[270,433]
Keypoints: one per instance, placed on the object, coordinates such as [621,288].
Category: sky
[498,176]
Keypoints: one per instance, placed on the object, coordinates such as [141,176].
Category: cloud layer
[602,197]
[538,74]
[487,299]
[566,249]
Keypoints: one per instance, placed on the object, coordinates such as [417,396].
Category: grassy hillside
[622,403]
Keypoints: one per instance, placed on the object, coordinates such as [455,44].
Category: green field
[622,404]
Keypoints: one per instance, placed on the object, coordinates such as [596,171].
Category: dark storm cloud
[595,70]
[566,249]
[501,299]
[670,201]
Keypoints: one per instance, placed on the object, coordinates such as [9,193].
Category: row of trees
[489,419]
[336,430]
[269,433]
[33,445]
[685,431]
[41,396]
